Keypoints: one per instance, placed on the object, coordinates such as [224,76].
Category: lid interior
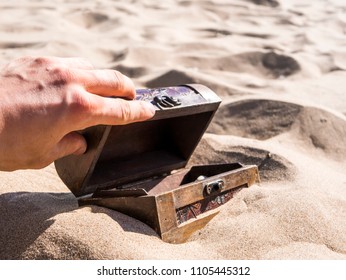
[141,150]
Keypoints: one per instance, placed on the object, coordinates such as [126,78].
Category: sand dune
[279,67]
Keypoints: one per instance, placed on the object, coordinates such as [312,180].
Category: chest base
[179,204]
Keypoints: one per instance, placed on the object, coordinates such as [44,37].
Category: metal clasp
[165,101]
[214,187]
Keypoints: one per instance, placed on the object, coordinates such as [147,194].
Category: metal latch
[165,101]
[214,187]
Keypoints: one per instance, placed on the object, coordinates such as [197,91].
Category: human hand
[45,100]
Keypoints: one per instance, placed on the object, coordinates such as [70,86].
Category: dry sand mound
[258,119]
[324,130]
[167,79]
[264,119]
[260,221]
[268,64]
[272,167]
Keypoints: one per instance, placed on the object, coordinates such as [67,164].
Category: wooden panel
[195,191]
[75,170]
[142,208]
[166,212]
[182,233]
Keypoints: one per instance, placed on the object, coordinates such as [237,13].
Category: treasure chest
[140,170]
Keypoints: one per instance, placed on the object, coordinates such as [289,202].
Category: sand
[279,67]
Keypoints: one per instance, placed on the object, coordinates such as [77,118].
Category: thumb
[71,143]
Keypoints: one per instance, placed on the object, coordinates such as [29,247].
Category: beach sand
[279,67]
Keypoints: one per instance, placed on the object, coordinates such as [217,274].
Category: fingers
[100,82]
[80,71]
[88,105]
[119,111]
[90,109]
[105,82]
[71,143]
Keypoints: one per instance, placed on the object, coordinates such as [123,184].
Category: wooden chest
[139,169]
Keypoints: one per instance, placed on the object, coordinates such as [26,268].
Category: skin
[45,100]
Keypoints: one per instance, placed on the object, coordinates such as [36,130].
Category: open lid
[122,154]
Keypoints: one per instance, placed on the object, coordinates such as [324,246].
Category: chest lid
[122,154]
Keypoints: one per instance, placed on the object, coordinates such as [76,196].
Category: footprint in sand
[270,3]
[280,65]
[87,19]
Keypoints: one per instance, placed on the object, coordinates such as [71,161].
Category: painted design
[175,92]
[212,202]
